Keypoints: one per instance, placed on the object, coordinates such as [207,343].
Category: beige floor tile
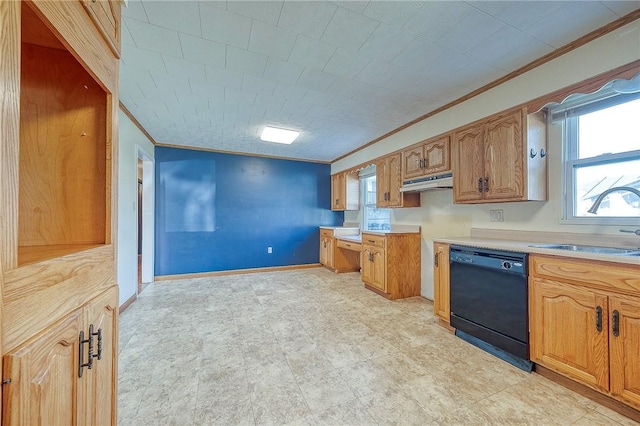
[325,390]
[352,413]
[394,407]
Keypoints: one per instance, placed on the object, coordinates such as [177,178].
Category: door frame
[148,213]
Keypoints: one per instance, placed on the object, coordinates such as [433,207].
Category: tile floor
[308,347]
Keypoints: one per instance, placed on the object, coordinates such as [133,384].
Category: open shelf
[62,198]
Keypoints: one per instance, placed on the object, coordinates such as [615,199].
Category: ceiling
[212,74]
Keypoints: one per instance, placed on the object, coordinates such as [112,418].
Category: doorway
[145,212]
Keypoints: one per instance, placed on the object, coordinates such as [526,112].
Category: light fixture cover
[274,134]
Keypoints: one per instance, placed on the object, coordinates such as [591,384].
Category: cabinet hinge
[6,381]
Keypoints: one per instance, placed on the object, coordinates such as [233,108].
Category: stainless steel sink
[590,249]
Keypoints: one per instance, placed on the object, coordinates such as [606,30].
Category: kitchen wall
[437,215]
[218,212]
[130,141]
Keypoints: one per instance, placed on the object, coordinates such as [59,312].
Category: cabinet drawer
[591,273]
[373,240]
[349,245]
[326,233]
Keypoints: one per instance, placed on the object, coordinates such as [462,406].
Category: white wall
[438,216]
[131,139]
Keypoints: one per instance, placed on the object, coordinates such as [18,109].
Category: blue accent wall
[217,212]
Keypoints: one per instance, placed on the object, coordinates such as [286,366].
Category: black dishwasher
[489,301]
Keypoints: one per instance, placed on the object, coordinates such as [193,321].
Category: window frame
[363,201]
[569,115]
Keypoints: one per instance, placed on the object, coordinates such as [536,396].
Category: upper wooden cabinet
[345,191]
[389,182]
[428,158]
[106,16]
[501,159]
[585,323]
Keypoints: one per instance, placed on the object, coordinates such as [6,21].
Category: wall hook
[543,153]
[533,153]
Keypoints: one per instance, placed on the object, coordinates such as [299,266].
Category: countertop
[525,247]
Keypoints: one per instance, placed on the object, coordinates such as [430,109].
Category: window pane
[373,218]
[611,130]
[593,180]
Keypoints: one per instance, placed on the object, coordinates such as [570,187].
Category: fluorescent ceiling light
[273,134]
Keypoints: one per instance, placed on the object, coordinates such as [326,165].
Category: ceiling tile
[246,62]
[346,63]
[419,54]
[271,41]
[377,72]
[357,6]
[142,59]
[182,16]
[152,37]
[181,68]
[386,43]
[205,51]
[125,35]
[308,18]
[290,92]
[525,14]
[286,72]
[134,9]
[348,87]
[170,83]
[474,29]
[314,79]
[394,13]
[258,84]
[224,77]
[435,18]
[311,53]
[242,97]
[265,11]
[621,8]
[224,27]
[349,29]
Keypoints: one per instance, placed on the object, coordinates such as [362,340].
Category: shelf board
[33,254]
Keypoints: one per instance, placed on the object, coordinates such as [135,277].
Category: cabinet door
[468,152]
[379,268]
[100,382]
[323,250]
[382,183]
[329,242]
[105,14]
[44,378]
[337,191]
[367,265]
[504,158]
[625,349]
[395,180]
[441,299]
[436,155]
[412,162]
[565,335]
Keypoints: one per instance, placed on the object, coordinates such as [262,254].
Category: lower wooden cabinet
[441,292]
[391,264]
[44,383]
[334,257]
[585,323]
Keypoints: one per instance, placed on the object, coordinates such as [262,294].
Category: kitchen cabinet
[57,197]
[105,14]
[333,256]
[345,191]
[391,264]
[42,378]
[501,159]
[389,182]
[585,323]
[431,157]
[441,299]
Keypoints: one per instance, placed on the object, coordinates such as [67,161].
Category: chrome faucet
[596,204]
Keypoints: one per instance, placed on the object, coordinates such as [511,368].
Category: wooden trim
[248,154]
[612,26]
[587,392]
[446,326]
[127,303]
[234,272]
[137,123]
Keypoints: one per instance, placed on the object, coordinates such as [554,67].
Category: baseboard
[234,272]
[587,392]
[127,303]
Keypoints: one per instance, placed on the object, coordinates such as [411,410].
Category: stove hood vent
[430,183]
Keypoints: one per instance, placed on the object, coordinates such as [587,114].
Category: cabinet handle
[337,201]
[435,260]
[599,318]
[480,185]
[486,184]
[616,323]
[81,363]
[98,334]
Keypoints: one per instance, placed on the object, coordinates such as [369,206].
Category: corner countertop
[526,247]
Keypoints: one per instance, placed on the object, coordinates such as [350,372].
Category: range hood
[444,181]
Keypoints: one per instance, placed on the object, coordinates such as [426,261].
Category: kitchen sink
[590,249]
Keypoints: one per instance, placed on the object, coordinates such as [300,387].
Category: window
[373,218]
[602,152]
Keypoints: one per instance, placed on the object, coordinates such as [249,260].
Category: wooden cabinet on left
[345,191]
[334,257]
[58,160]
[43,382]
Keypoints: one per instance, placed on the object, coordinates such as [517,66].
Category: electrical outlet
[496,215]
[269,250]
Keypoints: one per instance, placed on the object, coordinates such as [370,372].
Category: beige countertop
[526,247]
[351,238]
